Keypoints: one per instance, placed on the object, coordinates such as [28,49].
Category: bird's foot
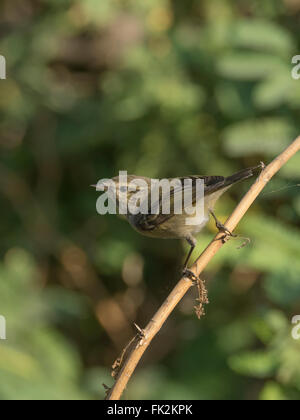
[227,233]
[190,275]
[222,228]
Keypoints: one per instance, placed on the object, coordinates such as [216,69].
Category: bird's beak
[100,186]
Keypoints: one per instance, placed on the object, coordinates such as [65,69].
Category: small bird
[172,225]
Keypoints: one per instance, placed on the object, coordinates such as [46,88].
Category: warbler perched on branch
[159,224]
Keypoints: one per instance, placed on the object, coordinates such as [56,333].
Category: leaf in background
[248,66]
[283,287]
[294,95]
[266,136]
[272,391]
[292,169]
[153,87]
[274,91]
[260,364]
[262,35]
[93,11]
[235,99]
[36,361]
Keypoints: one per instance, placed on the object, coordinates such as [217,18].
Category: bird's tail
[243,174]
[214,184]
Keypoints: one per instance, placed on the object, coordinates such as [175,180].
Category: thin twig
[185,283]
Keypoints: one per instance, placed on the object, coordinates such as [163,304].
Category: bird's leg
[188,257]
[186,272]
[202,292]
[221,227]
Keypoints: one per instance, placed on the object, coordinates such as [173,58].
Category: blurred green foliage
[158,88]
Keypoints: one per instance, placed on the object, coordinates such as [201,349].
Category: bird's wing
[155,218]
[211,185]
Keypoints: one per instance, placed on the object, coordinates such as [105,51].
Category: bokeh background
[159,88]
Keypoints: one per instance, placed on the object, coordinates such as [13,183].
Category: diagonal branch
[142,341]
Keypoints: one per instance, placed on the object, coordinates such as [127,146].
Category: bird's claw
[223,228]
[192,276]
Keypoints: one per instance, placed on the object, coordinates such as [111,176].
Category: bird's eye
[123,189]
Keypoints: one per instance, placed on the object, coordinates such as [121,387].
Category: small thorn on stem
[140,331]
[262,165]
[107,389]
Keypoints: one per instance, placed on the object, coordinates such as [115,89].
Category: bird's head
[124,187]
